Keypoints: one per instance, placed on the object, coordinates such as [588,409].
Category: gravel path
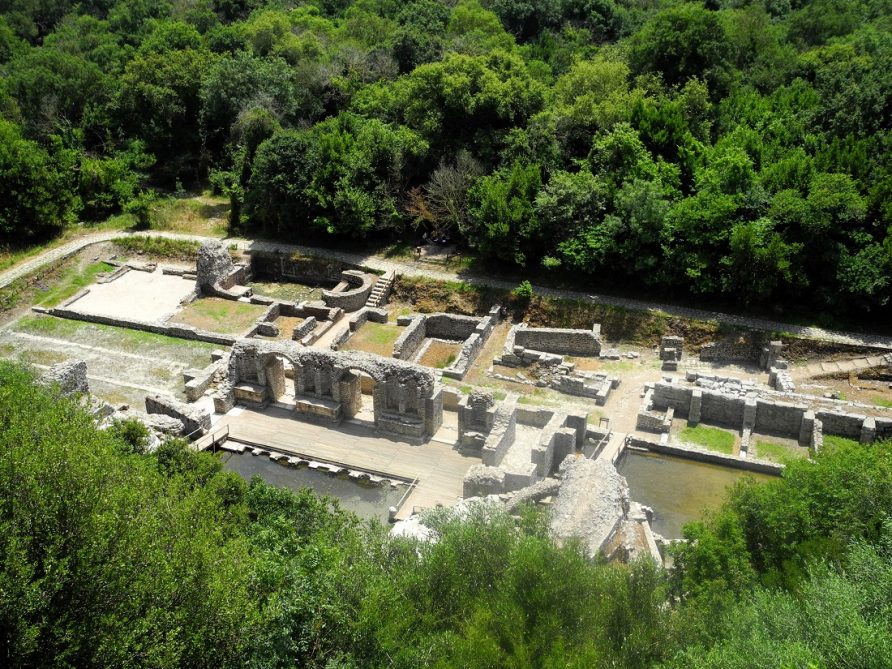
[422,269]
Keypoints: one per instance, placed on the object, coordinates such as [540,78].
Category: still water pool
[678,490]
[366,501]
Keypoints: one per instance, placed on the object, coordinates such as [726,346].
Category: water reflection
[678,490]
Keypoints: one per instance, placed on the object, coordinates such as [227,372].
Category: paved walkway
[423,269]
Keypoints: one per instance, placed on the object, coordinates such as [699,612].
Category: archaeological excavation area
[307,372]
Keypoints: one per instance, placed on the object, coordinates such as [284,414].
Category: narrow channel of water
[365,500]
[678,490]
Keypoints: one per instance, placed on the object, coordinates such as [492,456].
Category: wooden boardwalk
[438,466]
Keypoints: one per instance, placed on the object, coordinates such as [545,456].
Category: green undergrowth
[161,247]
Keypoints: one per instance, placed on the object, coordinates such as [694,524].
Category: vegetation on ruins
[110,556]
[737,150]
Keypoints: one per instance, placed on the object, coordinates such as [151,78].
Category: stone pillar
[696,403]
[337,373]
[868,430]
[401,398]
[300,384]
[749,414]
[806,428]
[317,374]
[817,437]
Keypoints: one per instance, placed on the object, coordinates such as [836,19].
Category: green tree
[36,192]
[681,42]
[503,222]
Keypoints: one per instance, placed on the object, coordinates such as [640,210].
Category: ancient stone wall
[558,340]
[181,331]
[407,398]
[196,421]
[407,344]
[502,434]
[450,326]
[352,292]
[292,267]
[70,377]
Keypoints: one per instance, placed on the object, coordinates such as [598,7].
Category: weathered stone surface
[533,493]
[482,480]
[352,292]
[214,266]
[407,398]
[196,421]
[592,501]
[70,377]
[156,422]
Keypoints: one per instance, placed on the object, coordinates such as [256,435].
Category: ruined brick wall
[407,344]
[558,340]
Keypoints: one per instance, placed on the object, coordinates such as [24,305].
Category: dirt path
[422,269]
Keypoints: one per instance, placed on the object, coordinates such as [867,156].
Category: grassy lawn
[440,355]
[71,282]
[881,401]
[218,315]
[108,336]
[769,450]
[376,338]
[711,438]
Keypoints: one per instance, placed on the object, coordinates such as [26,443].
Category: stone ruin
[217,275]
[327,385]
[518,446]
[472,331]
[545,348]
[352,292]
[69,377]
[743,405]
[671,350]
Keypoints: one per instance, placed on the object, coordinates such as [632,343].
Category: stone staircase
[381,290]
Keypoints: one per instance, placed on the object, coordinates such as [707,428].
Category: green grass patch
[205,214]
[72,281]
[109,336]
[377,338]
[711,438]
[881,401]
[219,315]
[836,441]
[769,450]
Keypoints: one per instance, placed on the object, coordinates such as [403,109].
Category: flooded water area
[366,500]
[678,490]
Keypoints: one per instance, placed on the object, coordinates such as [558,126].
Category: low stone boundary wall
[409,342]
[179,331]
[748,464]
[501,436]
[558,341]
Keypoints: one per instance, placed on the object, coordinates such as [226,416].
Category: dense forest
[111,556]
[734,150]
